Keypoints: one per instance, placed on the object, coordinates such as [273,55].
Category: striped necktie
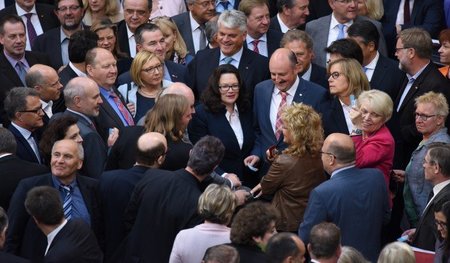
[67,204]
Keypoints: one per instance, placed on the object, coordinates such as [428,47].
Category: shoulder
[181,17]
[88,181]
[52,33]
[319,22]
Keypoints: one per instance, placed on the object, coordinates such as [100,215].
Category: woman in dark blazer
[224,112]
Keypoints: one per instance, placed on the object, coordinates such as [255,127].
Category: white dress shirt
[131,42]
[34,20]
[235,123]
[262,45]
[53,234]
[276,99]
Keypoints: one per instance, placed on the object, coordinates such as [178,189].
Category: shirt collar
[129,33]
[341,169]
[284,28]
[81,114]
[418,72]
[372,64]
[236,56]
[21,12]
[44,104]
[235,112]
[334,22]
[14,61]
[194,24]
[307,74]
[53,234]
[57,182]
[62,35]
[25,133]
[77,71]
[249,39]
[437,188]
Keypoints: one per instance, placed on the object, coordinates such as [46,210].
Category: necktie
[125,113]
[255,45]
[341,33]
[227,60]
[34,147]
[406,13]
[202,43]
[30,28]
[67,202]
[224,4]
[279,122]
[20,68]
[430,196]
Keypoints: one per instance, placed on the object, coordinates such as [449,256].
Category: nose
[307,11]
[440,50]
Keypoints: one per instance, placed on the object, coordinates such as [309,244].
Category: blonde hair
[375,9]
[305,128]
[397,252]
[111,7]
[437,99]
[378,101]
[217,204]
[141,58]
[352,70]
[166,25]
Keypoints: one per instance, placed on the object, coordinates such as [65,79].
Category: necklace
[153,94]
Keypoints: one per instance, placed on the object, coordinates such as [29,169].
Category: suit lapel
[8,70]
[414,87]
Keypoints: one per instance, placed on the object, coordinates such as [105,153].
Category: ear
[80,164]
[371,46]
[38,88]
[138,47]
[309,248]
[89,69]
[161,159]
[18,115]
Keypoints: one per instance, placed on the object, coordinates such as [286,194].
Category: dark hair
[80,3]
[16,100]
[443,206]
[284,3]
[105,23]
[205,155]
[44,203]
[281,246]
[366,30]
[253,220]
[56,130]
[211,96]
[11,18]
[150,27]
[79,44]
[150,155]
[444,35]
[7,142]
[347,48]
[440,154]
[324,240]
[221,254]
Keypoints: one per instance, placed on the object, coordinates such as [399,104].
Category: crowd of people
[224,130]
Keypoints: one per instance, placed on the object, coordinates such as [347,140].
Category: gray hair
[206,154]
[297,35]
[80,149]
[7,142]
[233,19]
[16,100]
[73,89]
[211,28]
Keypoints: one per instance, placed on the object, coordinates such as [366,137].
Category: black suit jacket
[24,238]
[115,190]
[13,170]
[184,26]
[45,12]
[74,243]
[387,77]
[333,118]
[122,36]
[253,68]
[5,257]
[319,75]
[50,44]
[402,124]
[24,150]
[273,41]
[425,236]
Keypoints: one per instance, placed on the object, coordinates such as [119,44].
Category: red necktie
[125,113]
[255,45]
[279,122]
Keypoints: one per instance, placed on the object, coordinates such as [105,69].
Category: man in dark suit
[153,233]
[13,169]
[414,49]
[253,68]
[41,18]
[67,240]
[24,238]
[272,95]
[14,60]
[325,243]
[292,14]
[45,81]
[55,42]
[5,257]
[260,38]
[191,24]
[376,66]
[426,14]
[136,13]
[150,38]
[437,172]
[359,213]
[301,44]
[83,101]
[116,186]
[329,28]
[224,5]
[24,109]
[101,67]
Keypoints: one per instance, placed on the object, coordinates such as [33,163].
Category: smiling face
[282,72]
[228,96]
[444,53]
[154,42]
[371,120]
[441,224]
[298,13]
[258,21]
[230,40]
[104,69]
[65,160]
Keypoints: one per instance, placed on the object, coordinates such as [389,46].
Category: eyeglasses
[206,4]
[423,117]
[40,110]
[346,1]
[158,67]
[397,49]
[131,12]
[440,224]
[226,87]
[327,153]
[63,9]
[334,75]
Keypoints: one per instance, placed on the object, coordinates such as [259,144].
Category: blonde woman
[97,9]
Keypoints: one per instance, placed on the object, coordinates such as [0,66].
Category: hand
[398,175]
[241,196]
[132,108]
[251,160]
[410,233]
[113,136]
[269,156]
[256,190]
[356,117]
[234,179]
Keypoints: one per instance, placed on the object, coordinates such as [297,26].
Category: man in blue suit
[285,86]
[354,199]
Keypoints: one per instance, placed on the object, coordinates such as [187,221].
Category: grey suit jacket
[184,26]
[319,29]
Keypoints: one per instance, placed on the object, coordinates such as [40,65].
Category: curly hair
[305,127]
[253,220]
[211,96]
[166,115]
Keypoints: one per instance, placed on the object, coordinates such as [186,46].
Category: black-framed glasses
[72,8]
[334,75]
[158,67]
[397,49]
[226,87]
[440,223]
[327,153]
[40,110]
[423,117]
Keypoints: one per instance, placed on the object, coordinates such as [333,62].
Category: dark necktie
[125,113]
[430,196]
[255,45]
[30,28]
[67,202]
[21,71]
[202,43]
[225,4]
[406,13]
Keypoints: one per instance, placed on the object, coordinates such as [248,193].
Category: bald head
[284,55]
[283,68]
[82,94]
[181,89]
[151,149]
[45,81]
[338,151]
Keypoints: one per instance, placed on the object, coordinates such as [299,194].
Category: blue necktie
[224,4]
[341,34]
[67,204]
[227,60]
